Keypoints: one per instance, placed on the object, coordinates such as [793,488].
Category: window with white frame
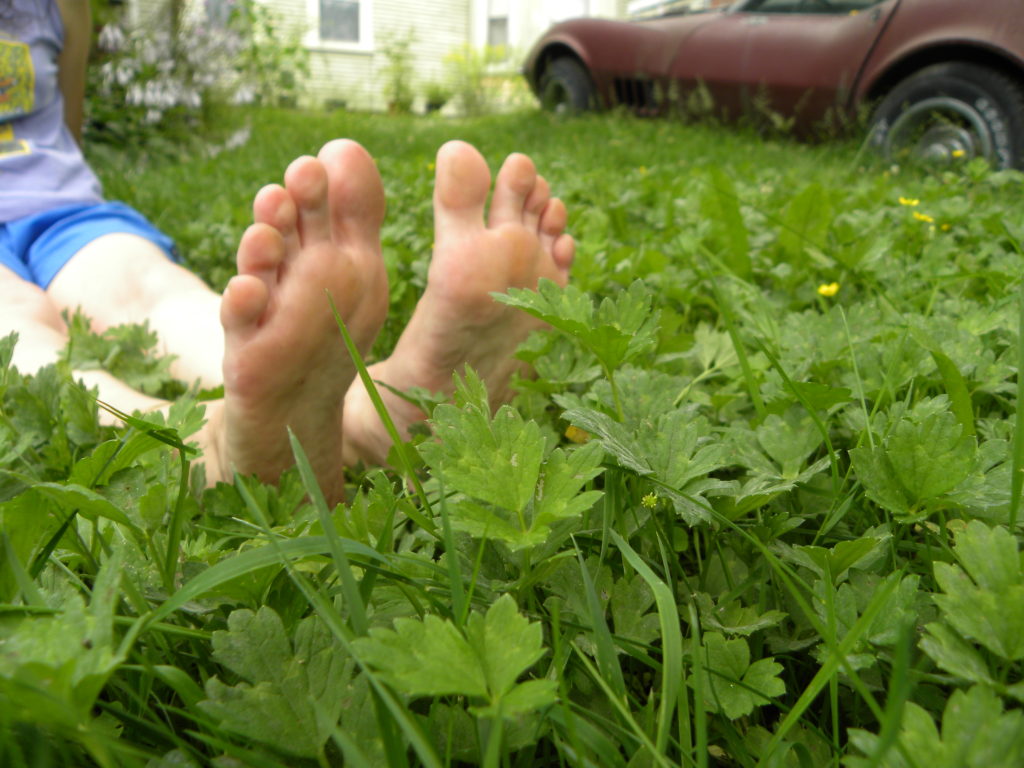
[340,24]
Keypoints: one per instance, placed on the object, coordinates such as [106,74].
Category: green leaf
[954,655]
[431,657]
[728,236]
[930,453]
[516,495]
[294,691]
[875,473]
[989,555]
[805,222]
[631,599]
[734,685]
[55,665]
[976,733]
[621,328]
[990,609]
[733,617]
[789,440]
[837,560]
[427,657]
[927,455]
[616,438]
[495,460]
[506,643]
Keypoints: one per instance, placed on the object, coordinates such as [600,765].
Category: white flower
[111,38]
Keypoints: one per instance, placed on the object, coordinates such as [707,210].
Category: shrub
[163,83]
[469,70]
[398,88]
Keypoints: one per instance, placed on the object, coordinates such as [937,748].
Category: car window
[808,6]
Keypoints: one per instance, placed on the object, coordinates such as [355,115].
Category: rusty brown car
[937,80]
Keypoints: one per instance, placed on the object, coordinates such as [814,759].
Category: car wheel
[951,111]
[565,87]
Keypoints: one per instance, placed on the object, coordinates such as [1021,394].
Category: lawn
[759,507]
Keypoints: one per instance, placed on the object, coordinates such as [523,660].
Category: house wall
[529,19]
[356,75]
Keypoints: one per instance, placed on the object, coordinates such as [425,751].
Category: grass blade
[349,585]
[671,640]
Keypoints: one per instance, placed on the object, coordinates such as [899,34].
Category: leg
[42,336]
[285,365]
[456,321]
[124,278]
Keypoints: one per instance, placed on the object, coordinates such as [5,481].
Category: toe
[460,188]
[514,185]
[552,223]
[244,301]
[274,207]
[261,252]
[535,204]
[355,193]
[563,252]
[306,182]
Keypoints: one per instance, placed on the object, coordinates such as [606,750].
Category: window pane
[497,31]
[339,20]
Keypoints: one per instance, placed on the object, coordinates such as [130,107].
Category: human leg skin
[285,364]
[457,322]
[27,310]
[122,278]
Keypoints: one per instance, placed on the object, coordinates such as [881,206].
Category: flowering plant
[164,82]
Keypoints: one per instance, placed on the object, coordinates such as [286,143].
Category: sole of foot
[457,322]
[314,239]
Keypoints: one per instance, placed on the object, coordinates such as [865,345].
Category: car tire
[565,87]
[950,111]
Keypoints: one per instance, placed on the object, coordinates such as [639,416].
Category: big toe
[460,187]
[355,193]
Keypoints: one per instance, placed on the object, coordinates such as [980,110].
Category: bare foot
[285,364]
[457,321]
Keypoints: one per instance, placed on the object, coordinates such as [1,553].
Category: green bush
[398,88]
[469,70]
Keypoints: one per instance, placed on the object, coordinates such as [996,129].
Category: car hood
[654,40]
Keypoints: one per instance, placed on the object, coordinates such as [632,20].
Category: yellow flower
[576,434]
[946,227]
[828,289]
[909,201]
[923,217]
[649,501]
[958,153]
[643,170]
[430,167]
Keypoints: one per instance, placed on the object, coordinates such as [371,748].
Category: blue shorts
[36,247]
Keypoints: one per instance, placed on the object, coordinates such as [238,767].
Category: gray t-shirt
[41,166]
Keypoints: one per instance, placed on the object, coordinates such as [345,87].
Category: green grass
[734,521]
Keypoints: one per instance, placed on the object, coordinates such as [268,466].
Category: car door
[783,58]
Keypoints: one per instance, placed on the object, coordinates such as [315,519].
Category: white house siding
[356,77]
[529,19]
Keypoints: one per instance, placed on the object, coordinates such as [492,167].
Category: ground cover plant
[759,507]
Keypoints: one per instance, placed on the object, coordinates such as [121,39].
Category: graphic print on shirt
[17,92]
